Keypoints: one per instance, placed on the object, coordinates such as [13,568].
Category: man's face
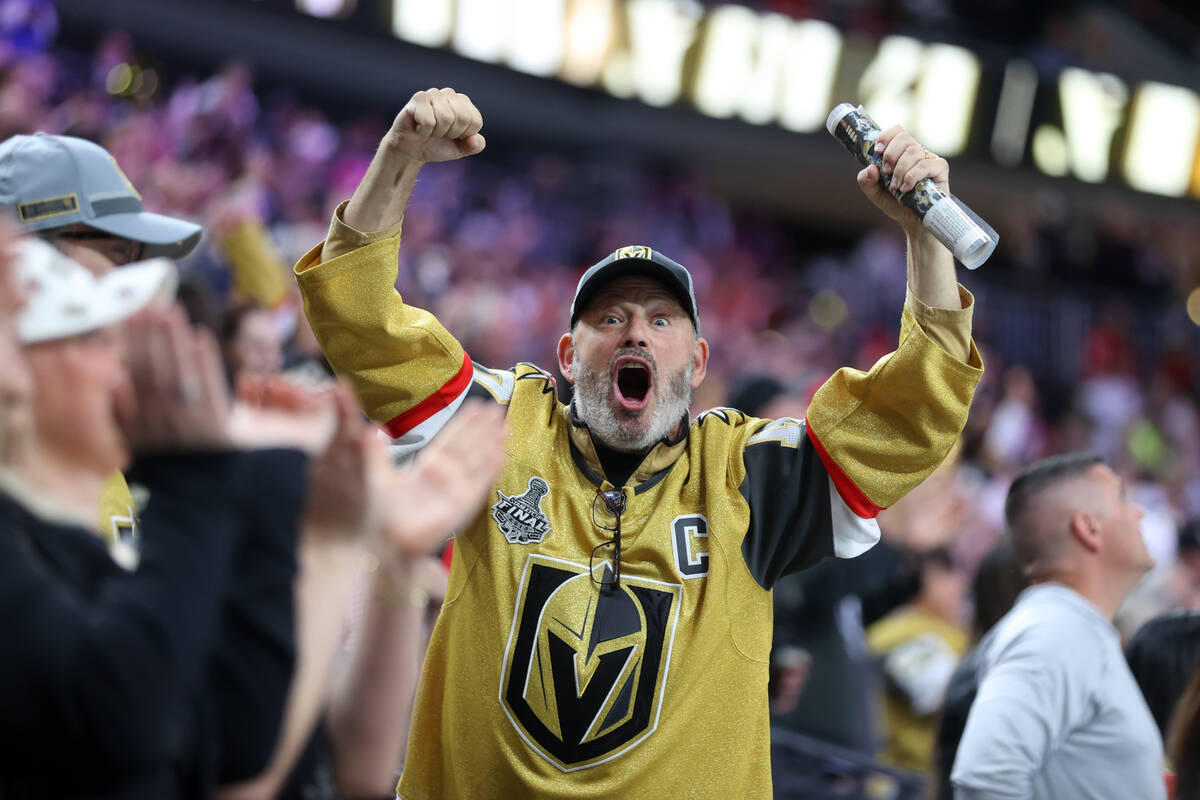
[16,383]
[95,249]
[79,383]
[1125,546]
[634,359]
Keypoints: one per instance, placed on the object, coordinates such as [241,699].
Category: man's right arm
[409,373]
[435,125]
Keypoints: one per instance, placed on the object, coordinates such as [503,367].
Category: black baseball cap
[637,260]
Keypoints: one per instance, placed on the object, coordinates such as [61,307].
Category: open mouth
[633,380]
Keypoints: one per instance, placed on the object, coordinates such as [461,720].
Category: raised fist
[436,125]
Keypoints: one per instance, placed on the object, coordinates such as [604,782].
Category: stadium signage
[730,61]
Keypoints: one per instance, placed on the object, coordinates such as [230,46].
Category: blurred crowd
[1081,323]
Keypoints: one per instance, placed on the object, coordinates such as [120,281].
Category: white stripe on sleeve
[852,535]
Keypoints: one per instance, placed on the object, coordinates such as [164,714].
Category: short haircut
[1030,543]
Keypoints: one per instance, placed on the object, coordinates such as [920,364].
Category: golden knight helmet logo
[585,668]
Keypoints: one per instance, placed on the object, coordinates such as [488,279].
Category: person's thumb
[868,181]
[471,145]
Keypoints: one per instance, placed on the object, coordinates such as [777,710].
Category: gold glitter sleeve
[397,356]
[887,429]
[343,239]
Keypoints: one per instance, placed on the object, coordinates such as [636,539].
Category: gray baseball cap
[52,181]
[637,260]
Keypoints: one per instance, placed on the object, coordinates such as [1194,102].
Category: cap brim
[624,268]
[129,289]
[163,236]
[67,300]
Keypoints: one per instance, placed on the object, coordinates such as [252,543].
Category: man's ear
[566,354]
[1085,528]
[699,361]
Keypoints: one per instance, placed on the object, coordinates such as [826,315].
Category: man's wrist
[925,248]
[327,535]
[386,193]
[398,149]
[918,235]
[395,581]
[327,553]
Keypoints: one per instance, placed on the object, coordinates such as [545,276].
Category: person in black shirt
[125,683]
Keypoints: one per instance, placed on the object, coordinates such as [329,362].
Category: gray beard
[596,407]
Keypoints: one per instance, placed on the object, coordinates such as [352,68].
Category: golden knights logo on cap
[635,251]
[124,178]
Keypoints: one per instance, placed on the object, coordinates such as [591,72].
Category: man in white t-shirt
[1058,714]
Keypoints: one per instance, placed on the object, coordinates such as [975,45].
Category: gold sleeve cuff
[949,328]
[342,238]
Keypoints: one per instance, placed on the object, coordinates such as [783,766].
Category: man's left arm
[814,487]
[882,432]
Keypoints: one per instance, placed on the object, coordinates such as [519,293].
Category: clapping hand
[448,482]
[179,398]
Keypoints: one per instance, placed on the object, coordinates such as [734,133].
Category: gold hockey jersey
[540,683]
[918,653]
[117,517]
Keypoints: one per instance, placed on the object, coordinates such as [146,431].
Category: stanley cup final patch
[520,517]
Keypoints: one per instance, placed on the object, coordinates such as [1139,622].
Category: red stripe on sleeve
[853,496]
[401,424]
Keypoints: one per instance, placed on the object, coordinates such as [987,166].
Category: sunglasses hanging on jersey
[614,502]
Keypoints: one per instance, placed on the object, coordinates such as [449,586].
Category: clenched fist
[436,125]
